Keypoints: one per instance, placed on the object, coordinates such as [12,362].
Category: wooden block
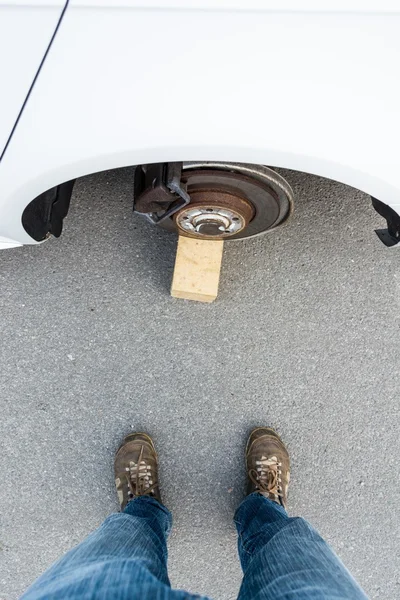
[197,269]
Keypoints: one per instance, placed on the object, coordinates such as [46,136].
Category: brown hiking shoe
[268,465]
[136,469]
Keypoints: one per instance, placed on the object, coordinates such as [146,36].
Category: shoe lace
[139,478]
[267,477]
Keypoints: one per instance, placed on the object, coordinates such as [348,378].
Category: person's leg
[125,558]
[283,558]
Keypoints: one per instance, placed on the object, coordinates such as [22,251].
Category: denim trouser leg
[286,559]
[124,559]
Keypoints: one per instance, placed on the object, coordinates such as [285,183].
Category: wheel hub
[212,199]
[214,221]
[231,201]
[214,214]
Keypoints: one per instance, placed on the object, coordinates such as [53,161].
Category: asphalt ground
[303,337]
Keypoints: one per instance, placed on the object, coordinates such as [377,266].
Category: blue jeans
[126,559]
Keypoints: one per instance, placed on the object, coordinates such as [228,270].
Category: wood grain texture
[197,269]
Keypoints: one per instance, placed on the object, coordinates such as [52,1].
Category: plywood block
[197,269]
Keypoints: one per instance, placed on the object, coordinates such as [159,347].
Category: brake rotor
[231,201]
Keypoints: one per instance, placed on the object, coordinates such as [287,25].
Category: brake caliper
[158,191]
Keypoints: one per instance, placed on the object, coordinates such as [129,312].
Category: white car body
[90,85]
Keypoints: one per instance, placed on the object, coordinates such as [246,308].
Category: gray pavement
[304,336]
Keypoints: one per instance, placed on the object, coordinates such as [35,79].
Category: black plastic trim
[45,214]
[391,235]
